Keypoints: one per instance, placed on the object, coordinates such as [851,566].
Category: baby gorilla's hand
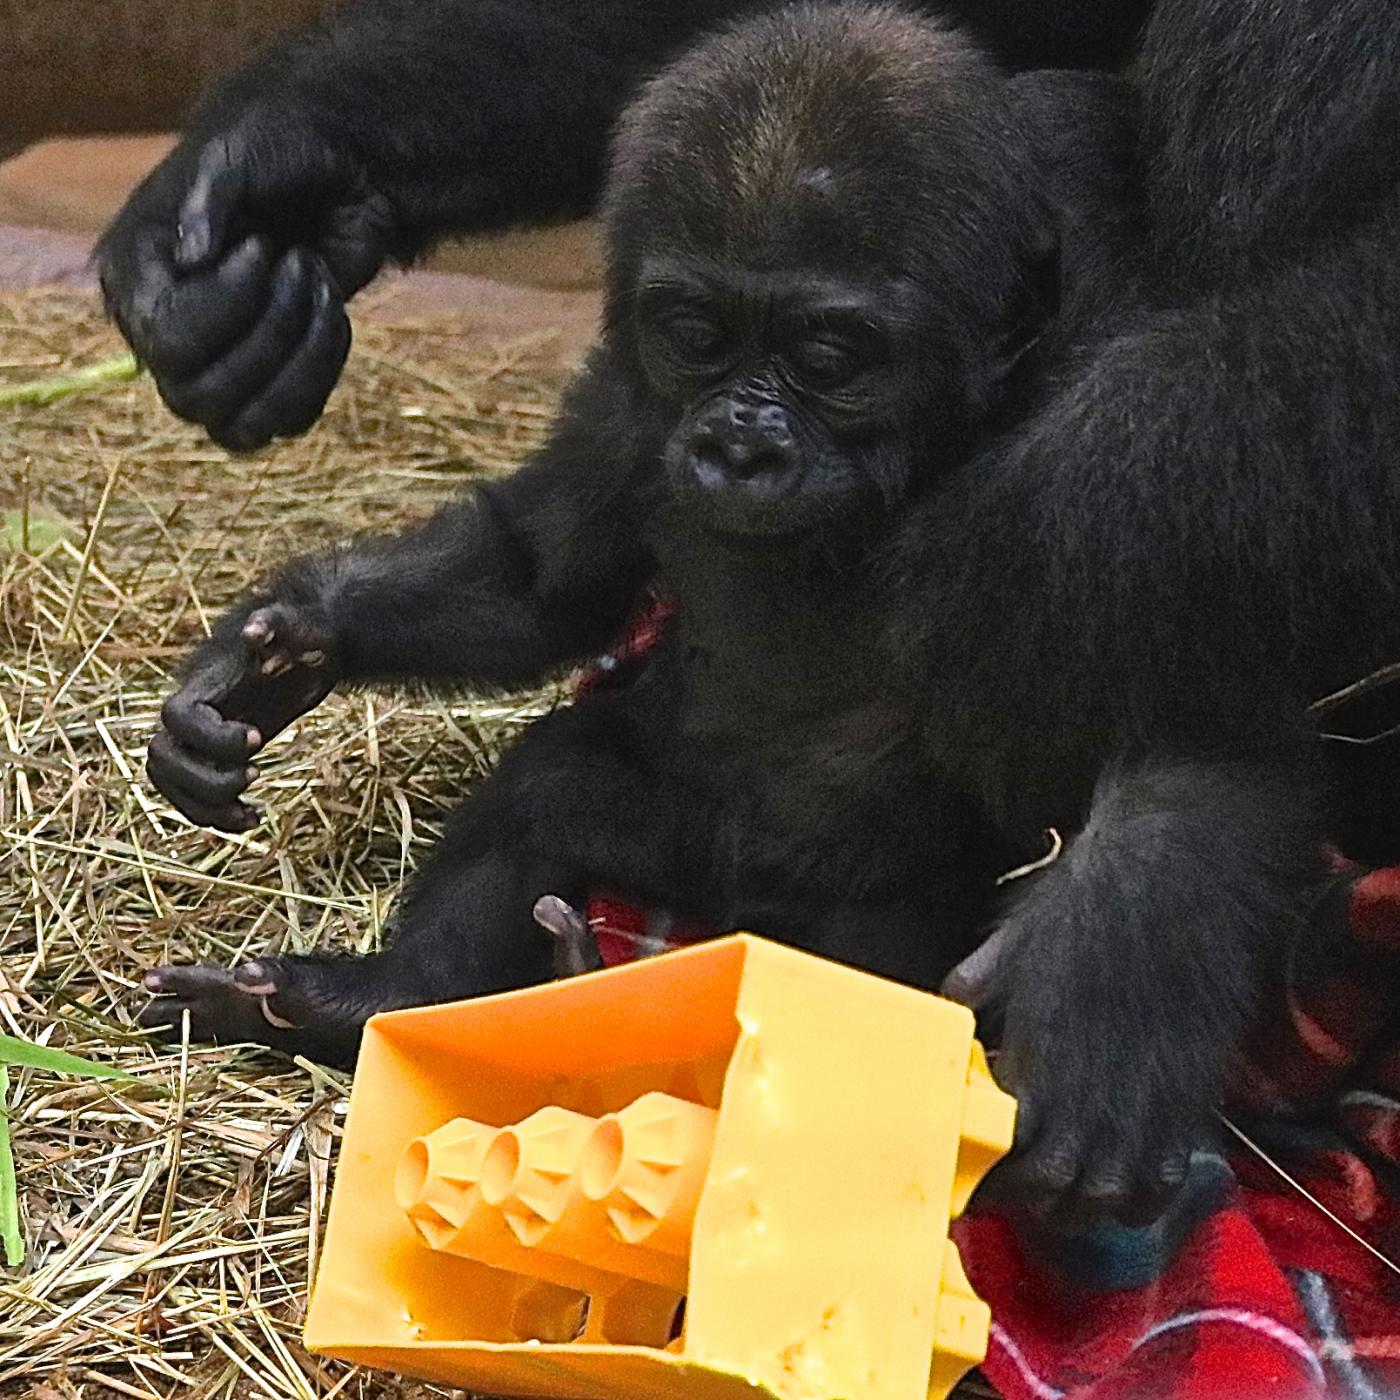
[1110,1106]
[250,680]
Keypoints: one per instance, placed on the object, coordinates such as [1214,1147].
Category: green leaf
[43,531]
[11,1236]
[14,1051]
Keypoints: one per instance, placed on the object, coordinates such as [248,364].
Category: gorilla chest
[810,749]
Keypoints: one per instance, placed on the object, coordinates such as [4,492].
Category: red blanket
[1248,1287]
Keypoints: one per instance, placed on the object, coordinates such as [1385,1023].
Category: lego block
[726,1172]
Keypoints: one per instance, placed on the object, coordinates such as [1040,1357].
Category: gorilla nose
[738,459]
[767,420]
[747,443]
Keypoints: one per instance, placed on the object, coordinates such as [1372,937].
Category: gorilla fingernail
[272,1018]
[575,951]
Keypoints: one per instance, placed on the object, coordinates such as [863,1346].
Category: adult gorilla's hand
[229,268]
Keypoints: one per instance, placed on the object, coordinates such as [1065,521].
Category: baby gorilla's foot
[301,1006]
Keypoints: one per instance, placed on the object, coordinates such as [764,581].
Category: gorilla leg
[464,929]
[566,809]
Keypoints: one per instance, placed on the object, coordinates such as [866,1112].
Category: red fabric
[1254,1291]
[1266,1295]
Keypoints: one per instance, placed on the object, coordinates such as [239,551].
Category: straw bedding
[171,1223]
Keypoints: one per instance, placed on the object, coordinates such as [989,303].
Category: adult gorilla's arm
[392,124]
[359,142]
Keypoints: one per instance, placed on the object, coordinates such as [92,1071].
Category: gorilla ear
[1031,307]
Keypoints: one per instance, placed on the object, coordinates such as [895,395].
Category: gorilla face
[820,264]
[789,392]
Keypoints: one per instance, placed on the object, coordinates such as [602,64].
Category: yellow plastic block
[727,1172]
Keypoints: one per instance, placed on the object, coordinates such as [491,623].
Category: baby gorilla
[825,253]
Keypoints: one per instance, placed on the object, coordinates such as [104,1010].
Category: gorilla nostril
[744,415]
[773,423]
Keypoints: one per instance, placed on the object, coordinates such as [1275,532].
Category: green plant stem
[10,1233]
[60,386]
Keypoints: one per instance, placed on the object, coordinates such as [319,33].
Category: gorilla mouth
[764,482]
[777,504]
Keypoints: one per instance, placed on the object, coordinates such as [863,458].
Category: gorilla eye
[694,335]
[823,362]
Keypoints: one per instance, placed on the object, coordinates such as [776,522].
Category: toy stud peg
[962,1320]
[435,1175]
[647,1165]
[988,1127]
[528,1167]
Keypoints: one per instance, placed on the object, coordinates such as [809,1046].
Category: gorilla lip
[767,483]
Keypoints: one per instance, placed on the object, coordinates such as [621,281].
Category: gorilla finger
[1118,1189]
[1158,1184]
[213,201]
[308,993]
[355,240]
[974,981]
[232,817]
[173,766]
[164,1016]
[221,390]
[220,1016]
[198,726]
[133,285]
[259,980]
[279,628]
[293,401]
[1047,1173]
[196,319]
[1111,1190]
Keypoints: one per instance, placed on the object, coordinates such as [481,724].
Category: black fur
[1136,549]
[388,126]
[1190,538]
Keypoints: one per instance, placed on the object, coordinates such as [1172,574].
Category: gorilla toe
[295,1005]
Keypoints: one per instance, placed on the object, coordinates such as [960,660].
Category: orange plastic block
[727,1172]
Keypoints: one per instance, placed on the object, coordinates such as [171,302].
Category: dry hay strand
[172,1223]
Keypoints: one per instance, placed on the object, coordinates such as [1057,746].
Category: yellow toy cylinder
[646,1166]
[438,1185]
[435,1177]
[531,1173]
